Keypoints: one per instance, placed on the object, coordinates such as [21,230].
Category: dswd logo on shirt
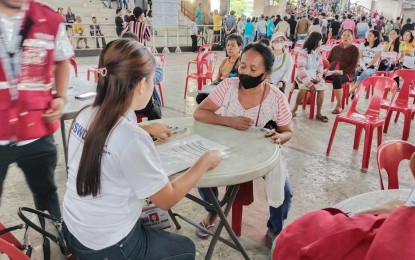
[79,131]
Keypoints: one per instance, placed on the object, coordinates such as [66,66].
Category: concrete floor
[318,181]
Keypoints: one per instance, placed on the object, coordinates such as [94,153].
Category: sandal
[322,118]
[336,111]
[202,234]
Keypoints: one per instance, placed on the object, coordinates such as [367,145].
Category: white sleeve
[63,47]
[142,167]
[290,65]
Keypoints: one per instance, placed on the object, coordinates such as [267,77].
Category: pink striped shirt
[141,30]
[274,106]
[302,67]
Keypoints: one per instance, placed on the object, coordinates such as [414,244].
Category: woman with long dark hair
[310,73]
[369,54]
[113,167]
[393,45]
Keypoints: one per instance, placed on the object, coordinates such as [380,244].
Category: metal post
[153,50]
[178,50]
[166,48]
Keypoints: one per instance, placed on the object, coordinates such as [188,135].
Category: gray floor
[318,181]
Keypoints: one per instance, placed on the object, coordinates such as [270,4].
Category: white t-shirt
[130,172]
[369,53]
[282,72]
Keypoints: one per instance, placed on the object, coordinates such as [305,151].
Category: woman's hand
[211,158]
[240,122]
[275,137]
[157,129]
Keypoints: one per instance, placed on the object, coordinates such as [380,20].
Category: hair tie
[103,71]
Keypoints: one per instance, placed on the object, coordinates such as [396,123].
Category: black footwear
[351,96]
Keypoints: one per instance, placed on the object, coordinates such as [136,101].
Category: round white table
[369,200]
[252,156]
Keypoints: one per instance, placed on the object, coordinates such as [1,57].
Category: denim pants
[248,39]
[276,215]
[359,76]
[141,243]
[37,161]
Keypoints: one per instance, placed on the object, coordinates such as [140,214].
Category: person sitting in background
[310,73]
[78,29]
[70,17]
[248,101]
[228,67]
[249,32]
[153,108]
[343,60]
[115,167]
[393,45]
[369,54]
[95,30]
[408,39]
[283,64]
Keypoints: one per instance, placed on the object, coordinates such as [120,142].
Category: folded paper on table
[409,62]
[183,153]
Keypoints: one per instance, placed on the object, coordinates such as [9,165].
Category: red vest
[22,119]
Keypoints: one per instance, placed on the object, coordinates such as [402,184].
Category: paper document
[311,74]
[181,154]
[409,62]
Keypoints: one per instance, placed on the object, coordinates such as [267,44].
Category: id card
[410,202]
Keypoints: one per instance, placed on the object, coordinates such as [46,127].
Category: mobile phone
[86,95]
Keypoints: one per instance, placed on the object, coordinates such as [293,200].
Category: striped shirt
[141,30]
[274,106]
[304,64]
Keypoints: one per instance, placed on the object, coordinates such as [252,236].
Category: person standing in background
[79,30]
[271,27]
[230,24]
[249,32]
[193,33]
[95,30]
[261,27]
[31,65]
[199,18]
[217,19]
[119,22]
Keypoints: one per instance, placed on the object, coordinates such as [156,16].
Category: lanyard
[11,57]
[260,105]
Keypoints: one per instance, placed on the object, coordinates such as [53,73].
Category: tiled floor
[318,181]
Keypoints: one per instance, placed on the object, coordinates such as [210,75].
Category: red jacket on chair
[21,118]
[331,234]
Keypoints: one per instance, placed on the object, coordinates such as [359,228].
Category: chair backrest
[9,236]
[207,63]
[160,59]
[333,42]
[389,156]
[203,49]
[12,251]
[381,85]
[408,77]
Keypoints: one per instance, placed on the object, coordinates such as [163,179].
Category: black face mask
[250,82]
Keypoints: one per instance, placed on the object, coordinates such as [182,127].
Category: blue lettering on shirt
[79,131]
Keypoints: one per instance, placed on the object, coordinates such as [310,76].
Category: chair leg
[387,120]
[185,88]
[333,132]
[88,74]
[406,126]
[367,147]
[312,103]
[379,135]
[357,135]
[345,95]
[332,96]
[161,94]
[237,209]
[305,100]
[290,94]
[96,76]
[397,116]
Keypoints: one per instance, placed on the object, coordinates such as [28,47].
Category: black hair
[118,10]
[336,17]
[349,16]
[312,41]
[248,20]
[410,33]
[237,38]
[265,41]
[397,42]
[265,52]
[377,41]
[316,21]
[363,18]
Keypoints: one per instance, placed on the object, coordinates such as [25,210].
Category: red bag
[331,234]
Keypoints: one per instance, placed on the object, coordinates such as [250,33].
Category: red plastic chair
[94,71]
[244,197]
[401,104]
[72,61]
[389,155]
[161,64]
[333,42]
[202,50]
[205,70]
[9,244]
[345,87]
[368,121]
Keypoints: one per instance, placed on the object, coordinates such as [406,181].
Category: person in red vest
[34,53]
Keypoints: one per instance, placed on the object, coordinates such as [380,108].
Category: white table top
[252,155]
[372,199]
[77,86]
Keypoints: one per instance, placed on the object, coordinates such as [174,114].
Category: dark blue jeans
[37,161]
[140,243]
[277,216]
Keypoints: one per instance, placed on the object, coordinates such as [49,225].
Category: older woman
[228,66]
[245,102]
[369,54]
[310,73]
[343,60]
[283,64]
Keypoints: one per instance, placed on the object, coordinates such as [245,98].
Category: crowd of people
[115,166]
